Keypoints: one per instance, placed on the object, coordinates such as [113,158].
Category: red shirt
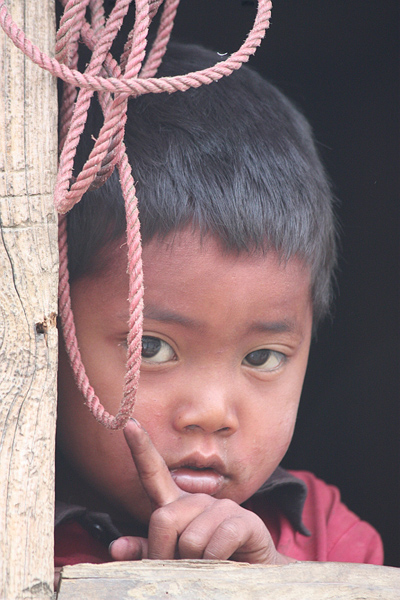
[336,533]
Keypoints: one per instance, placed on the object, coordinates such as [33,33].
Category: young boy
[238,252]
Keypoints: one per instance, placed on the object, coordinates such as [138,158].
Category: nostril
[224,429]
[198,427]
[192,427]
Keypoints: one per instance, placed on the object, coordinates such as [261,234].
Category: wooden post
[28,305]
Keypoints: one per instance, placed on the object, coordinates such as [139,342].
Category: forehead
[192,276]
[193,269]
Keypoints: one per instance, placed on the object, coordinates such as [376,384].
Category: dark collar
[289,494]
[99,524]
[286,491]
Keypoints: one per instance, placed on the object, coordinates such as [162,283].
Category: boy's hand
[190,526]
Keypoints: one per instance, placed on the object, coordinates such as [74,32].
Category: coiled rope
[115,83]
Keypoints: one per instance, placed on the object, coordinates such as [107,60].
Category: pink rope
[114,83]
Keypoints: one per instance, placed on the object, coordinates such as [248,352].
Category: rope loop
[114,83]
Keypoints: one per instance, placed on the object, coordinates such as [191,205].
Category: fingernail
[136,422]
[110,546]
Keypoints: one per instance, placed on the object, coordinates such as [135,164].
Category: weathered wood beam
[213,580]
[28,305]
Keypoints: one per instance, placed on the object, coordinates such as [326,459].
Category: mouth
[197,476]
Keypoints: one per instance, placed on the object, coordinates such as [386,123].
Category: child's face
[226,342]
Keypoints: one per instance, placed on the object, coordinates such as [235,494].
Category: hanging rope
[115,83]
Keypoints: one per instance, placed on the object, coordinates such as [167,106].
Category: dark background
[339,62]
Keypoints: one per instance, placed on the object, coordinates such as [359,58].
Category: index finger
[153,472]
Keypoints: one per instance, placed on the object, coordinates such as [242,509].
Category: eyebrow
[169,316]
[123,316]
[274,326]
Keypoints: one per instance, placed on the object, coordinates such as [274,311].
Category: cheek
[153,411]
[259,461]
[273,435]
[265,439]
[272,422]
[105,368]
[82,440]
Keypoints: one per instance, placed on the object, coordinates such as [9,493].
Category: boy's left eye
[264,359]
[156,350]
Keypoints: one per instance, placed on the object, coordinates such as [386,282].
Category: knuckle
[191,544]
[229,529]
[163,518]
[228,505]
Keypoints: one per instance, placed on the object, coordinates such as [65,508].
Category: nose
[207,406]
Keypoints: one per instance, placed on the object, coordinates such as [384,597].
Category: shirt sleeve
[337,534]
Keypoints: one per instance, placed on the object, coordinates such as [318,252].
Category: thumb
[128,548]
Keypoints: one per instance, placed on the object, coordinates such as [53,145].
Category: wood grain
[28,305]
[214,580]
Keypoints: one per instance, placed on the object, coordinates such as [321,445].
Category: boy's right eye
[155,350]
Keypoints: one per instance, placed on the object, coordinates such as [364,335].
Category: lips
[202,481]
[198,475]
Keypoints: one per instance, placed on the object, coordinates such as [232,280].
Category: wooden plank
[214,580]
[28,306]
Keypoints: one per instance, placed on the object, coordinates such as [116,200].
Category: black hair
[234,158]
